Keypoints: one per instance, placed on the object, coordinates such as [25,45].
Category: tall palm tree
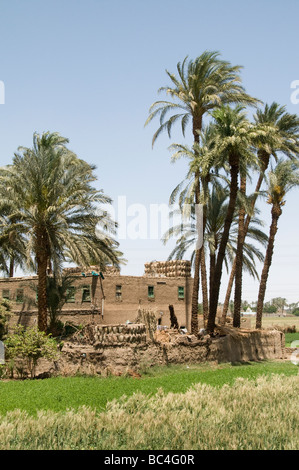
[186,236]
[251,218]
[281,180]
[234,145]
[49,192]
[277,131]
[246,167]
[217,211]
[202,85]
[201,160]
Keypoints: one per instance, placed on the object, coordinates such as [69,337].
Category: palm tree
[217,210]
[246,167]
[49,192]
[201,159]
[281,180]
[186,235]
[252,219]
[201,86]
[234,145]
[277,131]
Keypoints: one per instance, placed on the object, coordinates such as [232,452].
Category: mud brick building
[108,297]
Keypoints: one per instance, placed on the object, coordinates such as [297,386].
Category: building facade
[108,297]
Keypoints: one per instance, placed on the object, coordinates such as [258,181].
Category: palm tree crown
[202,85]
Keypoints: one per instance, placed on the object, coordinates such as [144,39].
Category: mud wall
[122,295]
[117,352]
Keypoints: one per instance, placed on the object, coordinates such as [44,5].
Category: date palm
[201,159]
[281,180]
[234,145]
[186,235]
[277,132]
[49,191]
[202,85]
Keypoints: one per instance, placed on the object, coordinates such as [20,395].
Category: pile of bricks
[173,268]
[112,335]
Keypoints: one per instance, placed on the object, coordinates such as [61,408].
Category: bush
[24,347]
[4,317]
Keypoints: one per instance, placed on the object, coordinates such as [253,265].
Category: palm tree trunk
[212,269]
[276,212]
[214,295]
[195,292]
[264,158]
[197,125]
[228,293]
[42,265]
[11,266]
[204,287]
[239,260]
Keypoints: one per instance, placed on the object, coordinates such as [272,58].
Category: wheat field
[250,415]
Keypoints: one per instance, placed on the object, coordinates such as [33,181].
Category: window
[5,294]
[181,292]
[118,292]
[150,292]
[20,296]
[70,294]
[86,294]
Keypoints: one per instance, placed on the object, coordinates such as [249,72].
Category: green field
[290,338]
[62,393]
[242,407]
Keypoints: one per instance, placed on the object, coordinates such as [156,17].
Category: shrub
[24,347]
[4,317]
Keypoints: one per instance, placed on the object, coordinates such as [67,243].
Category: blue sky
[90,70]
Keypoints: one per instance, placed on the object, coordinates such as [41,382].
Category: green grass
[63,393]
[290,337]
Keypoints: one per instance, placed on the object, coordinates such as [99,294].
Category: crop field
[269,321]
[247,406]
